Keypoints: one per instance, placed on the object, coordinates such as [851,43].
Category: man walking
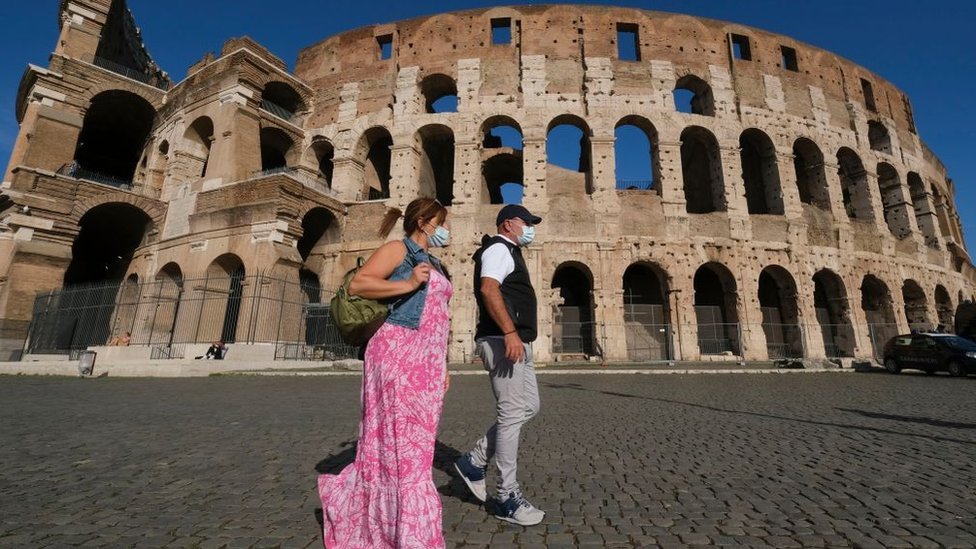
[504,335]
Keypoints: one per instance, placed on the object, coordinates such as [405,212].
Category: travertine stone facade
[797,174]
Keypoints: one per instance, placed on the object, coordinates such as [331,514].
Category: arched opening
[636,155]
[780,314]
[693,95]
[126,307]
[941,213]
[895,212]
[568,148]
[169,293]
[501,161]
[436,177]
[877,306]
[319,227]
[647,318]
[281,100]
[440,93]
[878,137]
[275,146]
[375,152]
[811,177]
[924,216]
[315,323]
[944,309]
[113,134]
[572,319]
[760,173]
[324,154]
[224,292]
[198,140]
[158,173]
[109,236]
[831,306]
[916,308]
[716,312]
[701,171]
[854,185]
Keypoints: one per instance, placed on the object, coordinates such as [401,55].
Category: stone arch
[501,161]
[944,308]
[693,95]
[373,151]
[278,149]
[573,327]
[854,185]
[153,209]
[811,176]
[110,233]
[760,173]
[436,170]
[878,137]
[716,310]
[114,130]
[153,97]
[647,312]
[777,293]
[637,154]
[893,200]
[877,304]
[282,99]
[916,306]
[319,227]
[438,90]
[223,295]
[832,308]
[321,153]
[568,148]
[925,218]
[701,171]
[197,144]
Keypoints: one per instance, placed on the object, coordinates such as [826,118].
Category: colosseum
[729,193]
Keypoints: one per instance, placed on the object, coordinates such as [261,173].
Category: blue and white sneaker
[517,510]
[473,476]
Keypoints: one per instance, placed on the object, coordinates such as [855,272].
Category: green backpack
[356,317]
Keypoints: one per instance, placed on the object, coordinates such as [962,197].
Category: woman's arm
[371,280]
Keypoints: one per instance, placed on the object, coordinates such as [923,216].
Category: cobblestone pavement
[828,459]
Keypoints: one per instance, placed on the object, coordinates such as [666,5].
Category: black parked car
[930,353]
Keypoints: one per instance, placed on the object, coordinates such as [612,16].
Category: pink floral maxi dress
[386,497]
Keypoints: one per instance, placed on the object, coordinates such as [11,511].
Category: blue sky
[924,48]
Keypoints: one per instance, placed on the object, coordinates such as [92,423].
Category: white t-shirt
[497,262]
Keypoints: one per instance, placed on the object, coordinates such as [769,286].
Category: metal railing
[720,339]
[880,334]
[128,72]
[635,184]
[649,342]
[783,340]
[168,315]
[277,110]
[75,171]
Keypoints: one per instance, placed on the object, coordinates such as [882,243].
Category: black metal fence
[169,314]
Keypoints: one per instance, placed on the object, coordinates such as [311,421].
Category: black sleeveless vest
[517,292]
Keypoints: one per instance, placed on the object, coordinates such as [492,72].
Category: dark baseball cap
[511,211]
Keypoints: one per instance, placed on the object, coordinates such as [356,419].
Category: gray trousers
[517,397]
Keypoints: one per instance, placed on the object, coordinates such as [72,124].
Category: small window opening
[501,31]
[868,91]
[740,47]
[628,45]
[789,59]
[386,46]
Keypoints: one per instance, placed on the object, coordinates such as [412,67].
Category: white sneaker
[517,510]
[473,476]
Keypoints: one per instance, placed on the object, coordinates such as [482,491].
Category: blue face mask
[527,236]
[440,237]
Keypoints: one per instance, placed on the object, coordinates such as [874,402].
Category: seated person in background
[122,340]
[215,352]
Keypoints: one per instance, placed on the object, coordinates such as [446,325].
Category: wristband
[512,332]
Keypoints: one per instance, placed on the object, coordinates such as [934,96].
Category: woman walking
[386,498]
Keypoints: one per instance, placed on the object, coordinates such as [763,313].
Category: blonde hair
[418,210]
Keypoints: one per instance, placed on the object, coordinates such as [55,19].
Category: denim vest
[406,310]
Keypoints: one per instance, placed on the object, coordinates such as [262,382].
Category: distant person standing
[504,335]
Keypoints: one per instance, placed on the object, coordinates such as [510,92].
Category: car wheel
[892,366]
[956,369]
